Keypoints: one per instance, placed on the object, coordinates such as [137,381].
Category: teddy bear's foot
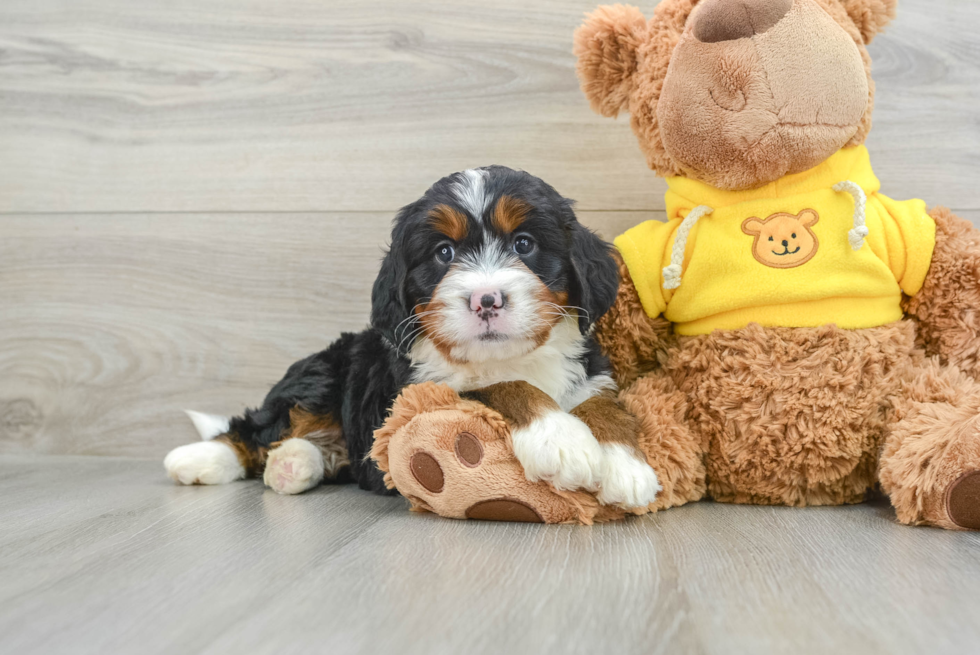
[458,464]
[963,501]
[930,463]
[453,457]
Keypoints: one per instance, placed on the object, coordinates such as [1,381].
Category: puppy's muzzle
[487,302]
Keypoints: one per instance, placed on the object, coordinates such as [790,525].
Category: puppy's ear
[389,304]
[594,280]
[870,16]
[607,46]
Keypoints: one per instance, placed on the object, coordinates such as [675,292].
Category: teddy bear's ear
[606,46]
[752,226]
[870,16]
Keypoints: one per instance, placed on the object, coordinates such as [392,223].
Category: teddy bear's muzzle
[726,20]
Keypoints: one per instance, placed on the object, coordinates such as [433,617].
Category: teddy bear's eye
[794,235]
[770,238]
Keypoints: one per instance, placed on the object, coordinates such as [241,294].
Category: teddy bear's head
[735,93]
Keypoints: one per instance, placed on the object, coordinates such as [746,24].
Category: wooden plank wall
[195,193]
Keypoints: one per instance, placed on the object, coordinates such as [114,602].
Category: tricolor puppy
[490,281]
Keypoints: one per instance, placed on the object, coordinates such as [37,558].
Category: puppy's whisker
[414,317]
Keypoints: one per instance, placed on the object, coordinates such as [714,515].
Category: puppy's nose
[483,299]
[727,20]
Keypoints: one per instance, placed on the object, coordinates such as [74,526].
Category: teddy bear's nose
[785,244]
[727,20]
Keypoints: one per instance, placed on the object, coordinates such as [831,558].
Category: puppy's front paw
[560,449]
[204,462]
[627,481]
[293,467]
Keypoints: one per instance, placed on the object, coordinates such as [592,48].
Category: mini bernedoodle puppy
[489,279]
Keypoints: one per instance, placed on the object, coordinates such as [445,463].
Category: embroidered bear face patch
[783,240]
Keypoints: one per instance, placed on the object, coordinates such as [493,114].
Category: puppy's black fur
[356,379]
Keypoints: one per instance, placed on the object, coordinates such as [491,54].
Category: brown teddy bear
[789,335]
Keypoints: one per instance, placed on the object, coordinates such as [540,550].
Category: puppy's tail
[208,426]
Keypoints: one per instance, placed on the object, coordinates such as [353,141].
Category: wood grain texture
[312,105]
[112,324]
[104,555]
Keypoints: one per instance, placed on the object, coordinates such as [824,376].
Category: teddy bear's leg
[930,462]
[671,447]
[633,342]
[947,308]
[454,457]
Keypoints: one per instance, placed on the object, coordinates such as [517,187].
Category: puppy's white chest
[556,368]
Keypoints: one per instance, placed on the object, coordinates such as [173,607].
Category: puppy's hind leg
[312,450]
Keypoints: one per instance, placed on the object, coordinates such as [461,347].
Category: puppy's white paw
[205,462]
[627,481]
[294,467]
[560,449]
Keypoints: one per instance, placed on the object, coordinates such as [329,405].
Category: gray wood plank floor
[105,555]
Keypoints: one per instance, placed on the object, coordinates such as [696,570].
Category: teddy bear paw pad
[469,450]
[427,472]
[963,501]
[503,509]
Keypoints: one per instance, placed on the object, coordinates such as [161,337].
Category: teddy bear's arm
[634,342]
[947,308]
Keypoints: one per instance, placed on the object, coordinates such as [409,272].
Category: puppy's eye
[794,235]
[445,253]
[523,245]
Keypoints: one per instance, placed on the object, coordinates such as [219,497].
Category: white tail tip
[208,426]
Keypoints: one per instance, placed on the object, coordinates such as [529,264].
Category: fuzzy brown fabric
[727,20]
[624,65]
[870,16]
[933,443]
[947,309]
[665,437]
[791,416]
[745,112]
[634,342]
[607,47]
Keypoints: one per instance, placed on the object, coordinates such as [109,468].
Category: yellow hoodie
[813,248]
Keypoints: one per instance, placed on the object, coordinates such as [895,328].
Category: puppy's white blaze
[490,258]
[204,462]
[560,449]
[293,467]
[471,193]
[208,426]
[626,481]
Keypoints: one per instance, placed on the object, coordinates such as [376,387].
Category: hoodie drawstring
[856,234]
[672,273]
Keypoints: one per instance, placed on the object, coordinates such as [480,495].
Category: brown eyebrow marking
[510,213]
[449,221]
